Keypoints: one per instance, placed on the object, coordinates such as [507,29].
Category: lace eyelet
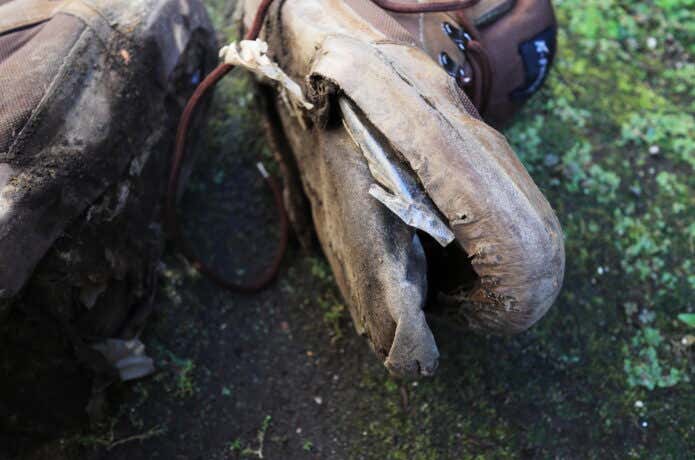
[447,63]
[449,29]
[461,38]
[462,77]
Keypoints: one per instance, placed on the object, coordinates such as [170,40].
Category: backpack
[90,92]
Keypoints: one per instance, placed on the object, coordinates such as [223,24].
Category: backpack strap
[90,14]
[18,14]
[24,13]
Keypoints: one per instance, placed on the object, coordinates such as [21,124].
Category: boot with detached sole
[417,202]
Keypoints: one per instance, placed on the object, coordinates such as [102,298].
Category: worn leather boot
[400,171]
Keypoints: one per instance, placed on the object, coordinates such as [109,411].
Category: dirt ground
[606,374]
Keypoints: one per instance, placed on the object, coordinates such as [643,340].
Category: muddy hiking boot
[417,202]
[90,93]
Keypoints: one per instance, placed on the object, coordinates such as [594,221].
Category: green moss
[616,118]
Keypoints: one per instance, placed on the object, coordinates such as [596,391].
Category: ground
[607,373]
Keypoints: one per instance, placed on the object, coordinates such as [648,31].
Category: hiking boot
[401,173]
[90,94]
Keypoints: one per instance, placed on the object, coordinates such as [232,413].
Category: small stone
[318,400]
[646,316]
[551,160]
[299,430]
